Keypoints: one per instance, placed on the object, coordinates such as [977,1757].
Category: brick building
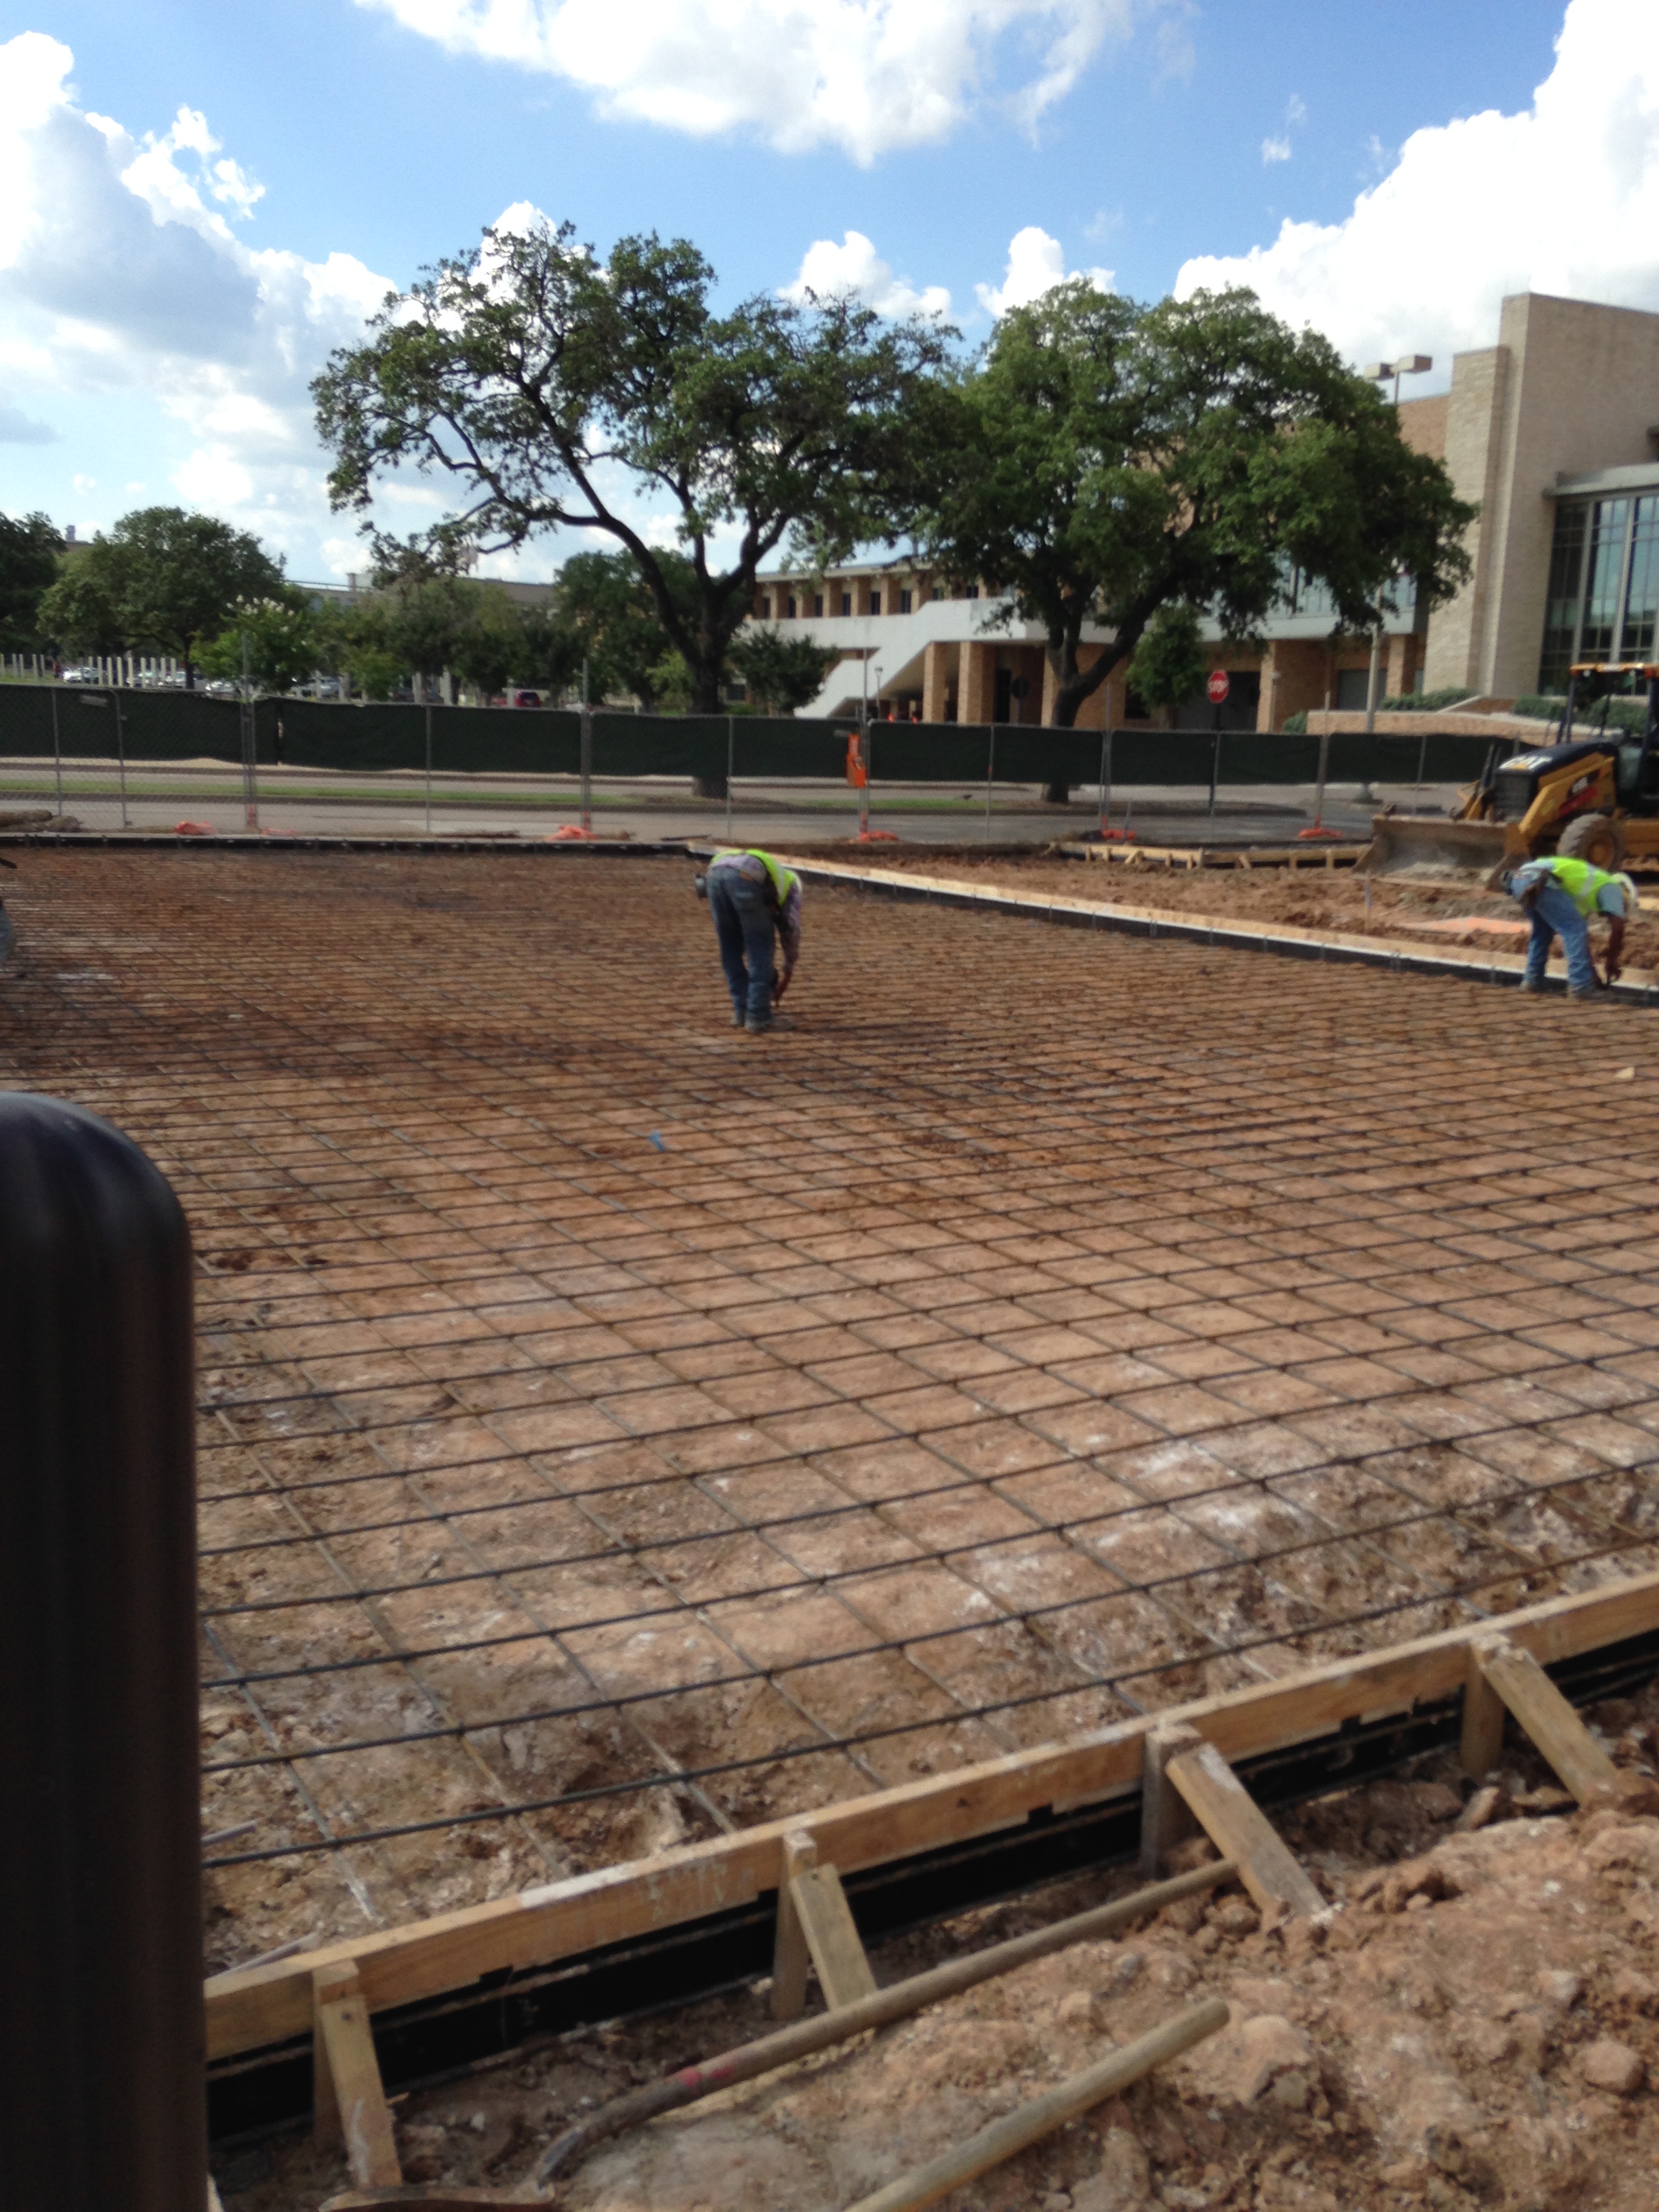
[1553,431]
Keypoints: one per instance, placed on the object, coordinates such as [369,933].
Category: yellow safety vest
[783,880]
[1582,883]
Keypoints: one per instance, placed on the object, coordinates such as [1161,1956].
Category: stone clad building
[1553,431]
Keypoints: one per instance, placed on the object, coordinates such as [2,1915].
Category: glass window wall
[1603,586]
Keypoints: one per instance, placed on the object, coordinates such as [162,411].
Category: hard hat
[1632,896]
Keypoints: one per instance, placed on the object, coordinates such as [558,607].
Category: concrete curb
[1288,939]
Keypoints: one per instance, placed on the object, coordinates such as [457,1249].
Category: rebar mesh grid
[616,1429]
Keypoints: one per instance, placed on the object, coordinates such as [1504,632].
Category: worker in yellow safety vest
[1563,896]
[753,897]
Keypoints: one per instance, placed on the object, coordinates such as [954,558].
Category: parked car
[526,698]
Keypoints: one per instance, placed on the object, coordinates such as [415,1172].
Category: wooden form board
[826,1919]
[259,2005]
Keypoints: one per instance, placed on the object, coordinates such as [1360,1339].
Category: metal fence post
[731,762]
[56,753]
[428,768]
[121,754]
[1215,761]
[250,747]
[587,758]
[102,2014]
[990,772]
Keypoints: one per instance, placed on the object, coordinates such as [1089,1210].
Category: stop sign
[1217,687]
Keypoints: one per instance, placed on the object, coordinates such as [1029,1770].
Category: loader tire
[1596,838]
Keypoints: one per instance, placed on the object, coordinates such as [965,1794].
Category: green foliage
[159,582]
[781,673]
[29,550]
[1170,662]
[1104,459]
[1424,702]
[1297,724]
[672,685]
[1629,715]
[607,605]
[534,376]
[355,642]
[283,648]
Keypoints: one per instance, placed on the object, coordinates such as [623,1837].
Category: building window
[817,605]
[1603,595]
[766,606]
[904,603]
[847,603]
[789,606]
[972,591]
[938,591]
[875,602]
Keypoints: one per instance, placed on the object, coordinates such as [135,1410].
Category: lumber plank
[249,2007]
[1165,1815]
[1482,1743]
[790,1956]
[1549,1720]
[1239,1829]
[356,2113]
[826,1918]
[329,1984]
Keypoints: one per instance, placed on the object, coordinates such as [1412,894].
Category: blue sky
[203,201]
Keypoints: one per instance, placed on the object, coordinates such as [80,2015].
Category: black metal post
[121,753]
[1215,760]
[101,2019]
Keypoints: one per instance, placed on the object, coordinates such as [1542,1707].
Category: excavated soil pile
[1477,2026]
[1424,916]
[616,1429]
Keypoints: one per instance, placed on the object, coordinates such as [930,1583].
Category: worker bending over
[750,896]
[1562,898]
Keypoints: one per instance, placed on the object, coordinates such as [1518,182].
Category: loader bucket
[1425,849]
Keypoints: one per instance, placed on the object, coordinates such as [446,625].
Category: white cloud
[84,484]
[1274,149]
[1036,264]
[120,271]
[864,75]
[17,428]
[855,267]
[1562,198]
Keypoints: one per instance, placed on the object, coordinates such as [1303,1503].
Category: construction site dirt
[617,1429]
[1424,914]
[1477,2026]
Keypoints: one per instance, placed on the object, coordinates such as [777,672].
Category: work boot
[739,1018]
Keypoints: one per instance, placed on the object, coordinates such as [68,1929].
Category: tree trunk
[1057,794]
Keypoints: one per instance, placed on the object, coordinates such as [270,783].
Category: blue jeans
[1554,915]
[744,923]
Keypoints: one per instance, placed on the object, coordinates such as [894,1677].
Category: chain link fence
[106,759]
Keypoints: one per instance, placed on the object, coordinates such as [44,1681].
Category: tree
[29,548]
[1102,460]
[549,386]
[1170,661]
[781,673]
[283,645]
[606,603]
[355,642]
[160,580]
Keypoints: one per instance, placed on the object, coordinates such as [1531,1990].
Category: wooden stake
[1482,1745]
[844,1974]
[790,1956]
[994,2145]
[350,2103]
[1238,1828]
[1550,1723]
[1165,1817]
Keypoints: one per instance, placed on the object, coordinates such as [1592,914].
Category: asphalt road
[314,802]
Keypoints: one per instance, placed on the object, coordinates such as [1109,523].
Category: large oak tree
[1102,461]
[559,392]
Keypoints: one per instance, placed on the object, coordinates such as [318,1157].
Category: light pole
[1409,364]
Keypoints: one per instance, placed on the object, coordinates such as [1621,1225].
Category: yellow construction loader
[1594,799]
